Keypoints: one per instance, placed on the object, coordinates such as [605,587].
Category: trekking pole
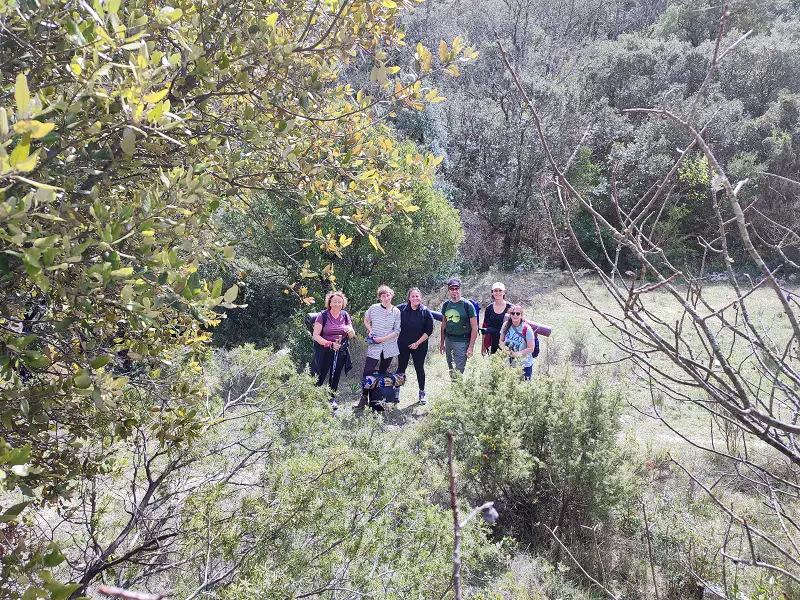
[335,356]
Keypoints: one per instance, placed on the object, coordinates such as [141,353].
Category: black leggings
[419,362]
[373,364]
[325,369]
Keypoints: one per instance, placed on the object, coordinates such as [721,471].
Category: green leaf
[35,359]
[123,272]
[13,512]
[231,294]
[60,591]
[100,361]
[22,94]
[53,557]
[82,380]
[216,288]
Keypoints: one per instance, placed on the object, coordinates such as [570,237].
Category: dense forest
[180,184]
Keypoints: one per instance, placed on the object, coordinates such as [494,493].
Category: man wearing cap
[459,328]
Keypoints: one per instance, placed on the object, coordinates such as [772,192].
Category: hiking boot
[397,394]
[334,405]
[362,404]
[422,397]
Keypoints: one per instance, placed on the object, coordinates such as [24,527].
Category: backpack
[475,305]
[535,352]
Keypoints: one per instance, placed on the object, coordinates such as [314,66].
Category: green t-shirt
[458,315]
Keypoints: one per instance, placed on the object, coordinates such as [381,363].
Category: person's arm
[368,321]
[317,335]
[441,340]
[502,342]
[427,329]
[351,332]
[395,332]
[473,335]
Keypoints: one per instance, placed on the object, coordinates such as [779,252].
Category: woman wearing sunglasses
[518,337]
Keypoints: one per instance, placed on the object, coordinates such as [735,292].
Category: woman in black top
[493,317]
[416,325]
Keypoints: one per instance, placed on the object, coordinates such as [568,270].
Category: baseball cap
[497,285]
[453,281]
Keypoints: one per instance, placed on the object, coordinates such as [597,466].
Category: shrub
[544,450]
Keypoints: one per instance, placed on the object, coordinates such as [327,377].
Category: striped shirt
[383,323]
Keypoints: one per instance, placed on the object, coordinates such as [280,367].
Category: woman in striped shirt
[383,326]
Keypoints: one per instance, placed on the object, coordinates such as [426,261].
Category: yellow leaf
[272,20]
[35,128]
[410,208]
[128,142]
[29,164]
[443,51]
[156,96]
[21,93]
[389,3]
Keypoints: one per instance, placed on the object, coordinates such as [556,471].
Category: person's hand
[469,352]
[441,349]
[413,345]
[484,351]
[336,346]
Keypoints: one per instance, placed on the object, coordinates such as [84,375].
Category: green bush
[544,450]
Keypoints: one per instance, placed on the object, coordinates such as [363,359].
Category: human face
[455,292]
[336,303]
[516,316]
[498,294]
[386,298]
[415,298]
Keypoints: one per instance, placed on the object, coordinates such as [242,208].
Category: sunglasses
[515,313]
[454,287]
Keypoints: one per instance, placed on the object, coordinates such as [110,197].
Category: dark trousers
[325,369]
[373,364]
[419,362]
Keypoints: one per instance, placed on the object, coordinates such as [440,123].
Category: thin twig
[650,549]
[456,523]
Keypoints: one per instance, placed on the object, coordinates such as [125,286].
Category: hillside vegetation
[180,183]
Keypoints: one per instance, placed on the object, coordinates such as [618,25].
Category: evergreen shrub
[545,451]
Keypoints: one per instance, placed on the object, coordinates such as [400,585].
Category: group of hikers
[403,331]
